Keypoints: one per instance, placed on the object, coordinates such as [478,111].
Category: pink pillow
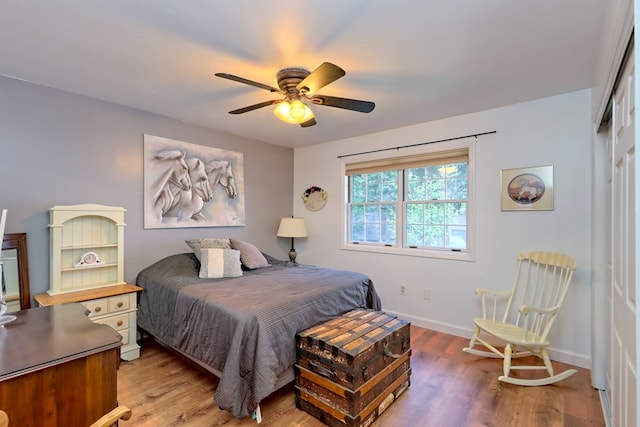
[250,256]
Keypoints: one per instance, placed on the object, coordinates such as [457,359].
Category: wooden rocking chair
[107,420]
[540,286]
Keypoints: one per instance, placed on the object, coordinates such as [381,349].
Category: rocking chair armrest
[526,309]
[491,296]
[117,413]
[482,291]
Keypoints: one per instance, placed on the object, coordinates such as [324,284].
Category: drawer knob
[120,322]
[98,309]
[120,304]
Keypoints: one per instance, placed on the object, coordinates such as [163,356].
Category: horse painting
[220,173]
[188,204]
[169,171]
[189,185]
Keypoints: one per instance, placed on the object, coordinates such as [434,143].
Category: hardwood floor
[448,388]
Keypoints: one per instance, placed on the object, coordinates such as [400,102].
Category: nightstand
[114,305]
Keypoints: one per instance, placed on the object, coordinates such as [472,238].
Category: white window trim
[469,254]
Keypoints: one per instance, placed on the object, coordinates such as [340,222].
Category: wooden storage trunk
[351,368]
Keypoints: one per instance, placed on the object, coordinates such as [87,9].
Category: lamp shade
[292,227]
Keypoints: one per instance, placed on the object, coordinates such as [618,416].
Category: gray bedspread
[244,327]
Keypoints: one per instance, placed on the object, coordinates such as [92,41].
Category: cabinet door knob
[120,322]
[120,304]
[98,309]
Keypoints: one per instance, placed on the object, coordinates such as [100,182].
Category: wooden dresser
[114,305]
[57,367]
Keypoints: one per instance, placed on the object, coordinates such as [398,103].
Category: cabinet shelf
[90,246]
[88,267]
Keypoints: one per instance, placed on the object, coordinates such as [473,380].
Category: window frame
[467,254]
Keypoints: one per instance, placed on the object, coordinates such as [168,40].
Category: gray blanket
[244,327]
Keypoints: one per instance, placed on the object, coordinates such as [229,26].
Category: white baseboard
[580,360]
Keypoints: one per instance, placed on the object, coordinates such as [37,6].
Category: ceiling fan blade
[247,82]
[320,77]
[346,103]
[308,123]
[255,106]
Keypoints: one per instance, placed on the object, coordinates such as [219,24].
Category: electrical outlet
[427,294]
[403,290]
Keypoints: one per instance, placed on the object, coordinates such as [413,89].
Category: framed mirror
[15,271]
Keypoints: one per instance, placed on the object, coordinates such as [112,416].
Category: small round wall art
[314,198]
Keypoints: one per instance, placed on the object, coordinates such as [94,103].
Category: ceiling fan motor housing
[289,78]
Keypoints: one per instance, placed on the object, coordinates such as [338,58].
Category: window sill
[423,253]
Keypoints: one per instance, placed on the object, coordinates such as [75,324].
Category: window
[417,204]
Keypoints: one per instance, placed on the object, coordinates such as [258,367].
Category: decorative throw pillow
[250,256]
[217,263]
[197,245]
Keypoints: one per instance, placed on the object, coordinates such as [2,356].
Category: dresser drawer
[97,307]
[102,306]
[119,322]
[119,303]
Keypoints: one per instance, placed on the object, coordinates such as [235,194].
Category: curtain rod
[418,144]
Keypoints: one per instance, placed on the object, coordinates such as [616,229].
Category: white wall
[552,131]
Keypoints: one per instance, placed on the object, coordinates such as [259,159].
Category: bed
[243,328]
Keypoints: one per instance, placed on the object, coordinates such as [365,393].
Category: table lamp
[292,227]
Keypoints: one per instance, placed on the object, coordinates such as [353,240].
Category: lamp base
[293,255]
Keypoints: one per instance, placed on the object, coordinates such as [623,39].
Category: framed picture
[189,185]
[527,189]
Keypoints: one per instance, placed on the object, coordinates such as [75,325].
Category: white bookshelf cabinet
[87,266]
[94,231]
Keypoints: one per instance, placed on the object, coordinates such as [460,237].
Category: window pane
[372,213]
[388,224]
[434,236]
[358,188]
[416,190]
[357,232]
[390,190]
[372,233]
[456,213]
[374,189]
[415,213]
[457,236]
[435,189]
[456,188]
[434,213]
[357,213]
[415,235]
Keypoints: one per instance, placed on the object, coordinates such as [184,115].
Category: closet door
[624,298]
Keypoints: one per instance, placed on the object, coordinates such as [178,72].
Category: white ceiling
[418,60]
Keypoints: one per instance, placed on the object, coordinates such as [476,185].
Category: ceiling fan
[297,84]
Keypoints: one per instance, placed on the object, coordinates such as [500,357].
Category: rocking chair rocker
[540,286]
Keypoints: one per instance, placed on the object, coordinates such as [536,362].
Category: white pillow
[216,263]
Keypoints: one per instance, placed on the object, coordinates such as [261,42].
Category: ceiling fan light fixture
[298,109]
[294,112]
[282,110]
